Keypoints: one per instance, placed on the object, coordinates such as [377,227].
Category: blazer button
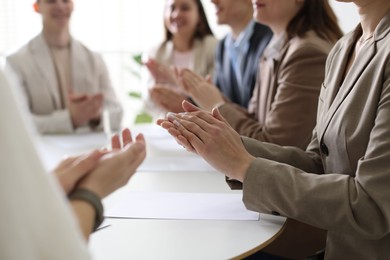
[275,213]
[324,149]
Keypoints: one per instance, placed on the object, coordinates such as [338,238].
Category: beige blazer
[35,69]
[341,183]
[283,107]
[202,64]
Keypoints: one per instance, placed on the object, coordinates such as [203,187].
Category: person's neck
[182,43]
[371,13]
[57,39]
[279,28]
[239,25]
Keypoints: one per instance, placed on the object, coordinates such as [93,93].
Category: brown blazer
[341,182]
[284,102]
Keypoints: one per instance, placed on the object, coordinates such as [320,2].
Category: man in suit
[65,84]
[237,55]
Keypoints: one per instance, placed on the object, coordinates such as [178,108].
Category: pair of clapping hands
[103,171]
[209,135]
[85,109]
[174,85]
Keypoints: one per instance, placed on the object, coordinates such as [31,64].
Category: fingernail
[176,123]
[171,115]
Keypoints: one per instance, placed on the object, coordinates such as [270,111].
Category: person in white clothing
[66,85]
[38,221]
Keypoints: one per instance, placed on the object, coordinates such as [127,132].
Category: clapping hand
[103,171]
[210,136]
[200,89]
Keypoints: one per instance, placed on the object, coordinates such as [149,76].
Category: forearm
[59,121]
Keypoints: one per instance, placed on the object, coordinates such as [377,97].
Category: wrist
[219,104]
[94,122]
[240,172]
[92,199]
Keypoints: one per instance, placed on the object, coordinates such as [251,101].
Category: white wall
[347,14]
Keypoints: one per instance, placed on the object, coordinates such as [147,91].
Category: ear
[36,7]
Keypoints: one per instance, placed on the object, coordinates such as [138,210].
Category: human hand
[84,108]
[168,98]
[73,169]
[210,136]
[116,167]
[205,94]
[162,74]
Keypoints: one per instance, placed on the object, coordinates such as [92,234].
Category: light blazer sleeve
[287,114]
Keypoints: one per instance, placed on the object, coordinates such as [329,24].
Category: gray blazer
[341,182]
[35,69]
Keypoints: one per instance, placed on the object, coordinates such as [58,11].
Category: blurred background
[119,30]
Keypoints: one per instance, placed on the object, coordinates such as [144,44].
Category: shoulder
[22,58]
[310,43]
[25,49]
[82,51]
[207,45]
[159,50]
[210,41]
[81,47]
[261,32]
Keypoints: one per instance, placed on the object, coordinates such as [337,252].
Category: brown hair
[316,15]
[203,28]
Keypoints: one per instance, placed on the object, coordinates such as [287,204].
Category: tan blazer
[348,191]
[35,69]
[202,64]
[284,102]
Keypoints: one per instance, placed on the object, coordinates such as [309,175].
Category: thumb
[188,107]
[218,115]
[208,78]
[140,138]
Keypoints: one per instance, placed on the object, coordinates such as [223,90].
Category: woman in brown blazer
[284,102]
[341,182]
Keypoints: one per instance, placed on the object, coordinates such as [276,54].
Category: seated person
[66,85]
[245,44]
[189,43]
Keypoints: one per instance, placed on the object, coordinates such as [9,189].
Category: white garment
[36,222]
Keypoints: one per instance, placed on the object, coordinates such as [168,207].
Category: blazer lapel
[196,59]
[41,55]
[356,70]
[81,69]
[167,55]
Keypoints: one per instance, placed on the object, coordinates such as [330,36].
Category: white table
[166,239]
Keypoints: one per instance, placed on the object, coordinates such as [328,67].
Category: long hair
[203,29]
[316,15]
